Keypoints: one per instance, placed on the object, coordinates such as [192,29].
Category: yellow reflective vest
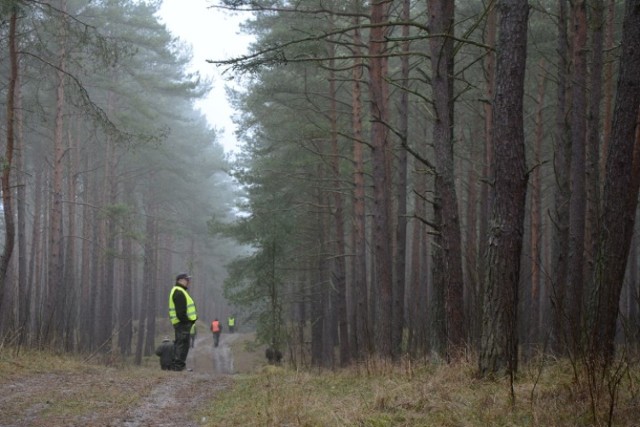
[191,306]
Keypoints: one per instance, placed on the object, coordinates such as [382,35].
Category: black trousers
[181,345]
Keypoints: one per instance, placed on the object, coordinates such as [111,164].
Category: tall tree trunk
[327,291]
[381,163]
[318,298]
[536,234]
[577,206]
[400,257]
[362,342]
[24,284]
[86,338]
[473,303]
[107,233]
[57,291]
[487,169]
[419,277]
[35,262]
[7,203]
[416,325]
[499,343]
[592,152]
[125,317]
[147,275]
[620,192]
[151,310]
[560,214]
[339,262]
[97,266]
[441,24]
[608,83]
[70,256]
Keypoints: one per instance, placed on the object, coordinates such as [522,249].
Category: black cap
[183,276]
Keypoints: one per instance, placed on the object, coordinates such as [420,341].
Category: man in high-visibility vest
[231,321]
[216,329]
[183,314]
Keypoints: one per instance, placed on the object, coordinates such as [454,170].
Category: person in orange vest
[216,329]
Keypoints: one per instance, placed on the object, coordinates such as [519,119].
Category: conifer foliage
[419,115]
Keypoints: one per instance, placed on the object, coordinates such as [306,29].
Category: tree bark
[577,206]
[7,203]
[499,343]
[362,342]
[125,316]
[400,257]
[560,213]
[57,291]
[441,24]
[607,119]
[536,233]
[37,241]
[381,164]
[592,152]
[86,336]
[339,267]
[620,193]
[24,285]
[70,256]
[487,169]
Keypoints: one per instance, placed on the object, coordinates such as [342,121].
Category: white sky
[214,34]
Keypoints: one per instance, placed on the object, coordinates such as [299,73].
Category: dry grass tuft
[378,393]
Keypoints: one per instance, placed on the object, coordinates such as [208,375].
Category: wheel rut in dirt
[97,395]
[175,400]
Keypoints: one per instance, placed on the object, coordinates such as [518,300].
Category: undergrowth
[379,394]
[373,393]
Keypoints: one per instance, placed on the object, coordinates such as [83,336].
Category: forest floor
[232,386]
[91,395]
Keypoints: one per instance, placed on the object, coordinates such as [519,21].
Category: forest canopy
[440,178]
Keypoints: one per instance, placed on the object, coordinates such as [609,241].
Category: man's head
[183,279]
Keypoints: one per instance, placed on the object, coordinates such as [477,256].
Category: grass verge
[377,394]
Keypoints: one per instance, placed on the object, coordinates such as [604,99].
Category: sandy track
[130,397]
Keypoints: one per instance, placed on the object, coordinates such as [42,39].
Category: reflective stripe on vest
[191,306]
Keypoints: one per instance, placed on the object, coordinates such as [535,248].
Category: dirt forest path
[128,397]
[205,357]
[172,402]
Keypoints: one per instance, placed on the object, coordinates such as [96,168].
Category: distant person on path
[274,356]
[231,322]
[193,334]
[165,352]
[216,329]
[182,313]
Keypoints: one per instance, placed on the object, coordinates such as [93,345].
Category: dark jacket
[165,352]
